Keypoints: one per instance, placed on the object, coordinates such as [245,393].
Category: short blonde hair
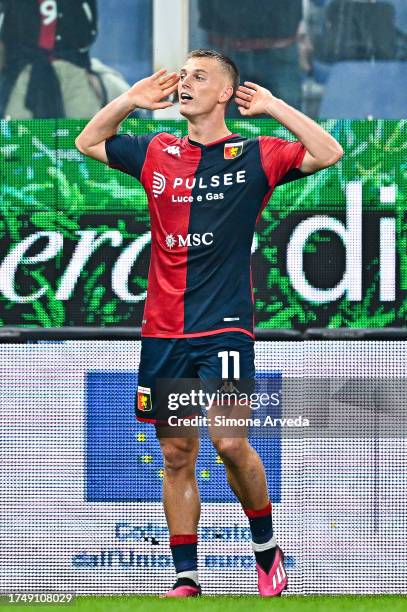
[227,64]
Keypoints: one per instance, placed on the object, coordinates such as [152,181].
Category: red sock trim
[258,513]
[176,540]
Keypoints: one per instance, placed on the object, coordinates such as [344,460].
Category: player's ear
[226,94]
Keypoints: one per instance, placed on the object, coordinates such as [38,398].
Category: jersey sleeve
[128,153]
[281,159]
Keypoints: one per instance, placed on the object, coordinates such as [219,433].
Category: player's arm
[148,93]
[322,150]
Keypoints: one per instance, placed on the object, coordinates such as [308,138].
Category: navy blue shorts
[171,366]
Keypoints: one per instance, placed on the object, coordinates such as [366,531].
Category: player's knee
[179,454]
[230,449]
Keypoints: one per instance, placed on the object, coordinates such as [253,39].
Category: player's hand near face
[322,150]
[253,99]
[150,92]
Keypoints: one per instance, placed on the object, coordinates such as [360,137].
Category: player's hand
[150,92]
[252,99]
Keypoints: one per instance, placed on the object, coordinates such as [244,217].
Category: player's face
[203,85]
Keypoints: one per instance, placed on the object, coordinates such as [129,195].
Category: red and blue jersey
[204,201]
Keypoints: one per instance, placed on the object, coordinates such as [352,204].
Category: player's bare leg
[182,509]
[246,476]
[181,499]
[244,468]
[244,471]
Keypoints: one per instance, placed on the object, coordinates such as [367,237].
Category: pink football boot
[184,587]
[273,583]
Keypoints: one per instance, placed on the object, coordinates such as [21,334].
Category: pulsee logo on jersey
[172,241]
[159,183]
[199,183]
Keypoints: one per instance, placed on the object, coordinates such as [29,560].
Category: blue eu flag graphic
[123,457]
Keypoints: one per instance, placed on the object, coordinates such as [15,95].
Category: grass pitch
[126,603]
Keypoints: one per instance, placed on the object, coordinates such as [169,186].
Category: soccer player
[205,193]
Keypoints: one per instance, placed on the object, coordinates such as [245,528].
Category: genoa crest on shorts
[144,399]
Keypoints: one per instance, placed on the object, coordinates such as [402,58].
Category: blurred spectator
[351,30]
[313,86]
[401,27]
[46,68]
[359,30]
[314,14]
[262,37]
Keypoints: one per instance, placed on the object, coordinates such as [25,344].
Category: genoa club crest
[144,399]
[233,150]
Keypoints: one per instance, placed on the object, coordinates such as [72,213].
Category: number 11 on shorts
[224,356]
